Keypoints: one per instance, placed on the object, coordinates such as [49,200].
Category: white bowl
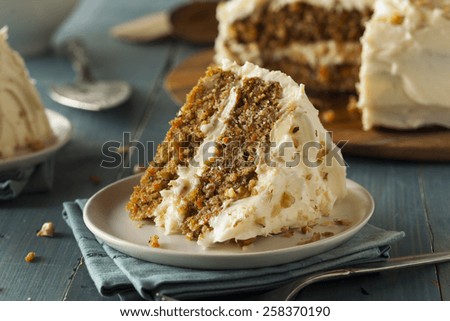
[32,23]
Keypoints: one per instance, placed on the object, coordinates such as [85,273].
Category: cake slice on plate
[246,156]
[405,72]
[315,42]
[23,122]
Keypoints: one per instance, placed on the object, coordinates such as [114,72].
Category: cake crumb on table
[31,256]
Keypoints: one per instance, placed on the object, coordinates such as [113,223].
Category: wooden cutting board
[431,144]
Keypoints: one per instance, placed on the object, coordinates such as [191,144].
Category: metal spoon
[87,93]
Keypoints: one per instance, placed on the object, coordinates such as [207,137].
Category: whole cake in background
[317,42]
[405,72]
[23,123]
[246,156]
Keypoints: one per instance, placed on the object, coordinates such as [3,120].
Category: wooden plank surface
[435,184]
[409,196]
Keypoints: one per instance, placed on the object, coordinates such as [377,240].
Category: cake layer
[250,175]
[23,122]
[406,65]
[180,143]
[305,39]
[240,9]
[322,53]
[301,22]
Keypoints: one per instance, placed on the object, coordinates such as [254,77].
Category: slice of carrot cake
[317,42]
[23,122]
[246,156]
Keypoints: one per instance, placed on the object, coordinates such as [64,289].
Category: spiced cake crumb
[30,257]
[154,241]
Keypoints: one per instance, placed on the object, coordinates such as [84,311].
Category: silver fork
[290,291]
[387,265]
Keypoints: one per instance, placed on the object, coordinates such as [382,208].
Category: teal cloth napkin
[32,179]
[116,273]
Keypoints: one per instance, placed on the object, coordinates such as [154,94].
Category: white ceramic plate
[62,129]
[106,217]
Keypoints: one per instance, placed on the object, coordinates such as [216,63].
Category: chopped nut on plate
[247,242]
[154,241]
[342,222]
[315,237]
[327,234]
[288,233]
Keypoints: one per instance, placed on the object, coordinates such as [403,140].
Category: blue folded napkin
[33,179]
[116,273]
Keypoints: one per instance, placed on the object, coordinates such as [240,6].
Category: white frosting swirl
[406,64]
[23,121]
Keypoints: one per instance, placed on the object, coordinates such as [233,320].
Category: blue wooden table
[412,197]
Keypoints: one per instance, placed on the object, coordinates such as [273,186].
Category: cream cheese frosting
[291,190]
[23,122]
[238,9]
[321,53]
[406,65]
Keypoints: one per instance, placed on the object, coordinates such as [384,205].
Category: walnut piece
[47,230]
[287,200]
[396,19]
